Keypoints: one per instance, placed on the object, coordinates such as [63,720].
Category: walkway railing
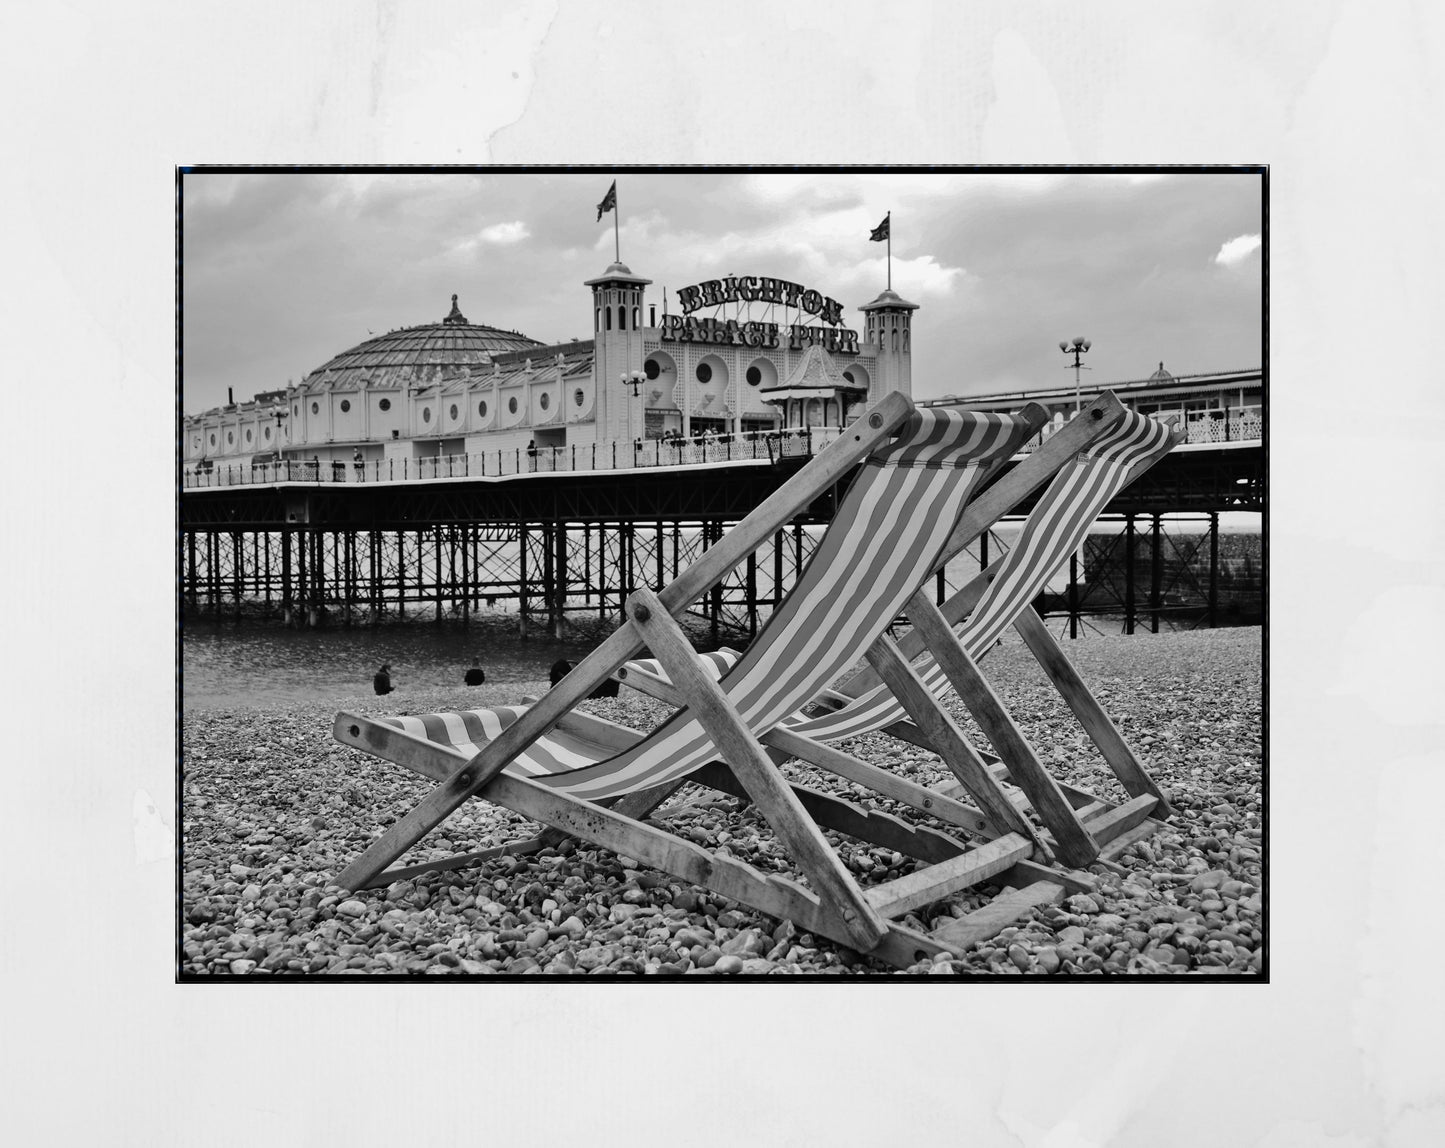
[1244,424]
[762,446]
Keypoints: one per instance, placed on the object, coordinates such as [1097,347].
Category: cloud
[1237,250]
[504,234]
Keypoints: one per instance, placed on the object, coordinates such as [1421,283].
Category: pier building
[746,356]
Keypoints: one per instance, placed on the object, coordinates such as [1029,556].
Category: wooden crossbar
[903,894]
[966,931]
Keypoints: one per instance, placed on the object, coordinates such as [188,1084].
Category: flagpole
[890,249]
[616,213]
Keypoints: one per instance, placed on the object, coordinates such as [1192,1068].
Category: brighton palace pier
[452,465]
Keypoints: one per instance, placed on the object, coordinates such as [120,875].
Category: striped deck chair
[885,697]
[591,779]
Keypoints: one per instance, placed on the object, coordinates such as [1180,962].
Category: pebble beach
[273,808]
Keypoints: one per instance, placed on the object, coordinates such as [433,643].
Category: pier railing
[750,446]
[1243,424]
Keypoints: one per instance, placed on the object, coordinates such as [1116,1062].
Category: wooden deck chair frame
[1084,828]
[835,906]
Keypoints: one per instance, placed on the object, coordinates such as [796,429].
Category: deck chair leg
[948,740]
[770,793]
[1075,844]
[1072,688]
[477,772]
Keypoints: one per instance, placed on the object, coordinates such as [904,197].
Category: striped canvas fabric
[886,537]
[1054,530]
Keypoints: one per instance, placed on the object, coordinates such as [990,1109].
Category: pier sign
[741,332]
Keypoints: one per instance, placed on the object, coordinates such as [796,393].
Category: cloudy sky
[282,271]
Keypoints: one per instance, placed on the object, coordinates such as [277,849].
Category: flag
[877,235]
[609,201]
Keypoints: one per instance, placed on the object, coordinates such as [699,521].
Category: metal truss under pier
[549,547]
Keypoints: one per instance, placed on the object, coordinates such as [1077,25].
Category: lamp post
[1080,345]
[635,380]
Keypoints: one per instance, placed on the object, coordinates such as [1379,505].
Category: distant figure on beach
[562,667]
[476,675]
[381,683]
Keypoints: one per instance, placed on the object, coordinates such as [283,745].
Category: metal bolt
[849,915]
[641,612]
[875,421]
[1097,414]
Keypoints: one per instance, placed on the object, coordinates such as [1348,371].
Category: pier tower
[890,322]
[617,334]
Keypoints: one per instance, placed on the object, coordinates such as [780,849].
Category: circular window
[755,376]
[345,405]
[230,437]
[248,435]
[545,401]
[704,372]
[268,434]
[454,411]
[578,397]
[651,368]
[384,405]
[426,414]
[482,408]
[315,408]
[213,440]
[512,406]
[846,374]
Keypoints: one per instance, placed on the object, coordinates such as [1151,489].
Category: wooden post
[1130,610]
[522,603]
[1156,574]
[1214,566]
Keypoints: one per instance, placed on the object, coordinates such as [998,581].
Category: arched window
[597,319]
[622,318]
[609,317]
[634,317]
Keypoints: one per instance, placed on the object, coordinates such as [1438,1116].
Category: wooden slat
[946,739]
[903,894]
[1109,825]
[525,848]
[1075,845]
[1024,873]
[1091,715]
[888,784]
[843,816]
[1115,848]
[965,932]
[738,746]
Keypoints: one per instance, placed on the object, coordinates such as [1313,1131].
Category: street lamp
[1079,346]
[635,380]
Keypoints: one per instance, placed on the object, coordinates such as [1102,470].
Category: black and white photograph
[723,573]
[815,574]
